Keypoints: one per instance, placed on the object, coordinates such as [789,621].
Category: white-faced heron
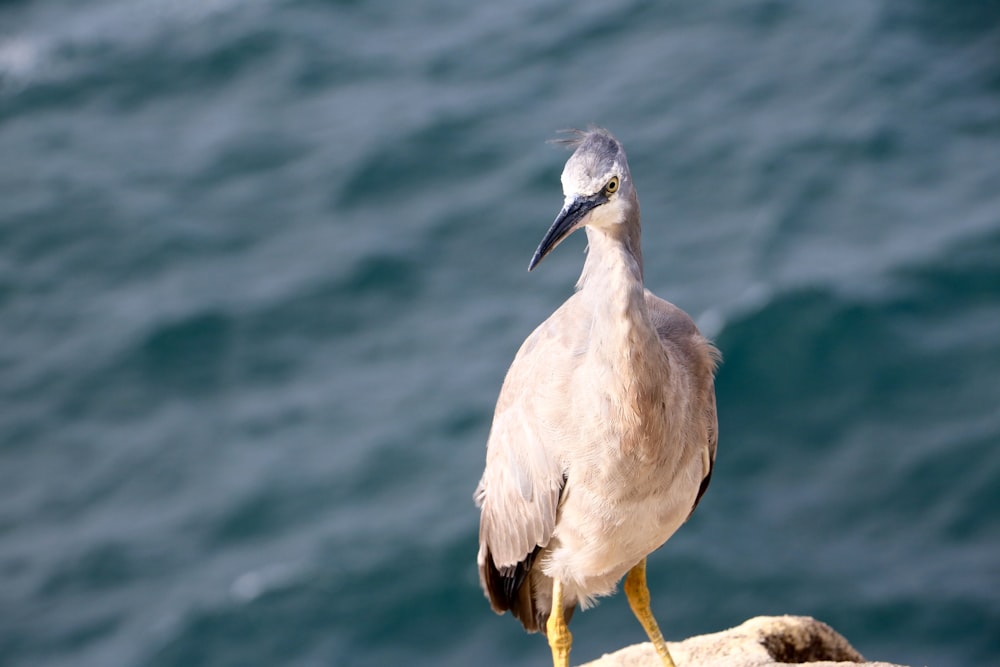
[605,431]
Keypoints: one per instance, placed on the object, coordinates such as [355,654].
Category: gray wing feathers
[520,488]
[682,340]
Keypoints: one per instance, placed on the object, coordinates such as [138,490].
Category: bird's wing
[682,340]
[709,454]
[521,484]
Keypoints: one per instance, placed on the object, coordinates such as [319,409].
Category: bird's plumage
[604,434]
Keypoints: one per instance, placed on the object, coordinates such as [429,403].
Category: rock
[765,641]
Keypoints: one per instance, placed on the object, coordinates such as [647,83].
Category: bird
[605,431]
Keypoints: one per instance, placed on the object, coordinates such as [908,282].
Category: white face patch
[585,176]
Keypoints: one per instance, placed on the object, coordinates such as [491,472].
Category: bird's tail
[520,589]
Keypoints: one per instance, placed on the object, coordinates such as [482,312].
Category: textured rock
[765,641]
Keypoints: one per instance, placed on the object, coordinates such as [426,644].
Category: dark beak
[566,222]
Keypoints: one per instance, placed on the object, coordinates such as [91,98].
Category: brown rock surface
[765,641]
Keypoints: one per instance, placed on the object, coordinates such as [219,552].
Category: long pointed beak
[565,224]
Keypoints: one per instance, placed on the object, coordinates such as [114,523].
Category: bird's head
[597,186]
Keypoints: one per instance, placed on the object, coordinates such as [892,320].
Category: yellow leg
[560,640]
[638,598]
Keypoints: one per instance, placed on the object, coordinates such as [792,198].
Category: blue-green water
[262,268]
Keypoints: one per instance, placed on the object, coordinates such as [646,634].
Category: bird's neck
[613,267]
[611,285]
[624,348]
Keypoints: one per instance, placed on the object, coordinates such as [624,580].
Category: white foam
[19,58]
[251,585]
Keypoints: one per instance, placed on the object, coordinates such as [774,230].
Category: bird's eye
[612,186]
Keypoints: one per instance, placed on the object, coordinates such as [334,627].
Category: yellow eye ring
[612,186]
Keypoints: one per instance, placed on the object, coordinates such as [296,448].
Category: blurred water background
[263,266]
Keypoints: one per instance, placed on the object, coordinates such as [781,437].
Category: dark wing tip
[509,589]
[701,490]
